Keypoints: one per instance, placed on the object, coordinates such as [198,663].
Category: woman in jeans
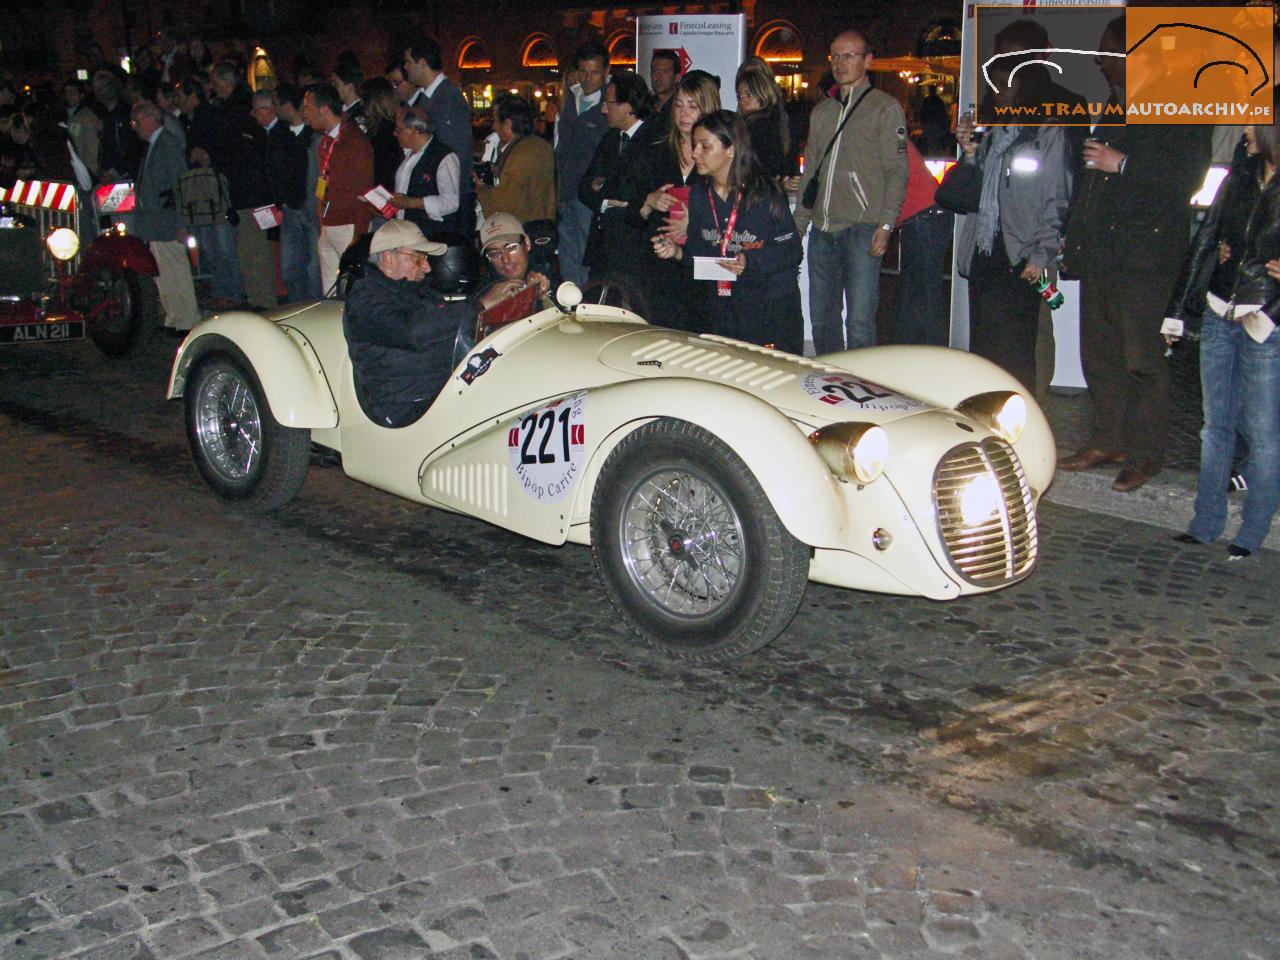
[1226,272]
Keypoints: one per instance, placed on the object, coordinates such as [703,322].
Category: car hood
[807,390]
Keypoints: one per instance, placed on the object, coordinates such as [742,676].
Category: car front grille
[998,541]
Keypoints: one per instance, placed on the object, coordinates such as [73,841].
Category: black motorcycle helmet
[458,270]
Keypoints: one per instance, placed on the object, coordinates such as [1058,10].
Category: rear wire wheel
[239,448]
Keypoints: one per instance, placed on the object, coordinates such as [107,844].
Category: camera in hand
[485,172]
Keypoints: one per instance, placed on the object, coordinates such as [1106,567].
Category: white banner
[716,43]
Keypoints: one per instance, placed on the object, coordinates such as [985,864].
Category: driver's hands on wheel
[500,291]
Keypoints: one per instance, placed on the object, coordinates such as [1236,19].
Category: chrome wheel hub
[228,426]
[682,543]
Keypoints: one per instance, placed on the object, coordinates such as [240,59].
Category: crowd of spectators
[645,185]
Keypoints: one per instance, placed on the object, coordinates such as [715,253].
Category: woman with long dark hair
[660,181]
[1226,273]
[760,103]
[739,219]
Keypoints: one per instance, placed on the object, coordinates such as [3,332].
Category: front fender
[944,378]
[284,362]
[116,253]
[797,482]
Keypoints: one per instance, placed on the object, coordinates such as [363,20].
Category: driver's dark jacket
[400,337]
[1246,217]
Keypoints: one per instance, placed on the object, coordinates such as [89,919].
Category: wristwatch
[887,226]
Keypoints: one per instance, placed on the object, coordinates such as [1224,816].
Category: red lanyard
[724,288]
[733,218]
[328,155]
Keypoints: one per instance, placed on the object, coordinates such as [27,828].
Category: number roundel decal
[843,390]
[545,448]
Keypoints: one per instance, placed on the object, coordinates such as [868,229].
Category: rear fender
[282,359]
[797,482]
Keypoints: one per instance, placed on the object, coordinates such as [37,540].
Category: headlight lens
[1003,412]
[63,243]
[854,451]
[980,500]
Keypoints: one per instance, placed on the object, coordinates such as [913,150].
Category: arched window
[778,41]
[622,49]
[473,55]
[538,51]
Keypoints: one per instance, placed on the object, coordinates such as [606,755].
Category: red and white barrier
[46,194]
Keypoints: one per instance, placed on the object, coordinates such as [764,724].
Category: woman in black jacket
[739,217]
[658,187]
[760,104]
[1226,273]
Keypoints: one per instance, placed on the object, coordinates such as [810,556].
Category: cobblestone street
[361,729]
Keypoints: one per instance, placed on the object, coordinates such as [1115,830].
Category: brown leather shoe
[1089,457]
[1131,478]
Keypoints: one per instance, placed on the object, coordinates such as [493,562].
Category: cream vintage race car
[711,478]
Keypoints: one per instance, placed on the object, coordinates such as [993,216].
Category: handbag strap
[835,136]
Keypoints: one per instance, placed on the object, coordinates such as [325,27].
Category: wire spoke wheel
[682,542]
[689,547]
[238,447]
[228,426]
[124,313]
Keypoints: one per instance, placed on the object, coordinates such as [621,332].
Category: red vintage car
[107,291]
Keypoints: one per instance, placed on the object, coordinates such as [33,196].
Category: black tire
[240,450]
[126,317]
[616,290]
[721,579]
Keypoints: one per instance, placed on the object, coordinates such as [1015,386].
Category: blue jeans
[575,223]
[924,312]
[1240,381]
[218,260]
[842,272]
[297,251]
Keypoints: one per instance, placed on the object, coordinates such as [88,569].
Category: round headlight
[63,243]
[980,500]
[1011,418]
[853,451]
[870,454]
[1003,412]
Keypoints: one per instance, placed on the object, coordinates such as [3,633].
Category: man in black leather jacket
[400,334]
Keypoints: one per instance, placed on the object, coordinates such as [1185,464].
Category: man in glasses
[857,154]
[510,253]
[399,332]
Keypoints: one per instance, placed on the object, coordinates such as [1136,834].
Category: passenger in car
[399,332]
[509,252]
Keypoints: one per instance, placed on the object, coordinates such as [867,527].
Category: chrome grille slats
[999,549]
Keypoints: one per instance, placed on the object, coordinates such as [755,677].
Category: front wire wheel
[238,447]
[124,315]
[682,542]
[689,548]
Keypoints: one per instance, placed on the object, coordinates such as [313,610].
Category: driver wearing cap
[399,332]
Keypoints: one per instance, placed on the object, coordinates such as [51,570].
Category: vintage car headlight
[63,243]
[980,500]
[854,451]
[1003,412]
